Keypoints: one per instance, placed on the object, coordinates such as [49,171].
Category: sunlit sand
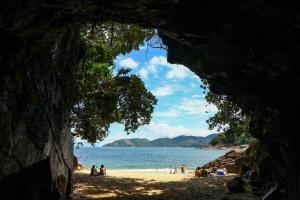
[159,176]
[143,184]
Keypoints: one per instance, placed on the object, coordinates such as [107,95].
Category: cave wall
[38,60]
[247,50]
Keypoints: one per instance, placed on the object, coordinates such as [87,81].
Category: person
[102,171]
[198,172]
[93,171]
[170,169]
[183,168]
[175,169]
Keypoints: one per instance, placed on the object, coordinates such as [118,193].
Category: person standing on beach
[183,168]
[170,169]
[175,169]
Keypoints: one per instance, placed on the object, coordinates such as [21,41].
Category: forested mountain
[180,141]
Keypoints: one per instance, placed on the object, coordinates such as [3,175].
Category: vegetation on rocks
[229,119]
[104,95]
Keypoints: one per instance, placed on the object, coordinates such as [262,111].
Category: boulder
[235,185]
[231,168]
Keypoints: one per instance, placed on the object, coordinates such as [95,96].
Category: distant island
[180,141]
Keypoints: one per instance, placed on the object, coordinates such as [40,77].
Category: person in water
[102,171]
[93,171]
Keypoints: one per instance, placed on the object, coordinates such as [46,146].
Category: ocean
[145,158]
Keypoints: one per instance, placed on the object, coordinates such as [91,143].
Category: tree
[104,97]
[230,119]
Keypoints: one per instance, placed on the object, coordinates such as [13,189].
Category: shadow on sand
[117,188]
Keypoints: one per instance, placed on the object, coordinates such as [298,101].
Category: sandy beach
[143,184]
[146,174]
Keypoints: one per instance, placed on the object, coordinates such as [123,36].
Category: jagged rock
[227,161]
[235,185]
[76,165]
[36,145]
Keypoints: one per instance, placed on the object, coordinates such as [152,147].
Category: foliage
[117,38]
[230,119]
[232,138]
[105,97]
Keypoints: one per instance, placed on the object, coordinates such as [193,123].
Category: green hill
[180,141]
[134,142]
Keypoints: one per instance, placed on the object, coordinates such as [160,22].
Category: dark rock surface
[36,87]
[247,50]
[235,185]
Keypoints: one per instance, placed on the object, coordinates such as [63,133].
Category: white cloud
[169,113]
[196,107]
[129,63]
[194,85]
[152,69]
[165,130]
[144,73]
[198,96]
[176,70]
[163,90]
[142,47]
[193,106]
[158,60]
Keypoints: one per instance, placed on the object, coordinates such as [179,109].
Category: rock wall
[38,61]
[247,50]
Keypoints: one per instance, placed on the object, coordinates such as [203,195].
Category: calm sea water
[145,157]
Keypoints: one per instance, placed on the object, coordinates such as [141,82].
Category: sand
[120,184]
[145,175]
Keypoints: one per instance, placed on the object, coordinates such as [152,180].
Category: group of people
[183,169]
[102,171]
[201,172]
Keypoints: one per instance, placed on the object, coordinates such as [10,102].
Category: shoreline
[142,170]
[132,184]
[143,174]
[226,147]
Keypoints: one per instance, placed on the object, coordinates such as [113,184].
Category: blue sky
[181,108]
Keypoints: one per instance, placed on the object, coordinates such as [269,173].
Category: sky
[181,108]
